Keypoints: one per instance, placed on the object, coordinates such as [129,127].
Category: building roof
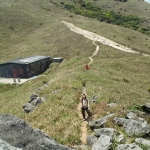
[27,60]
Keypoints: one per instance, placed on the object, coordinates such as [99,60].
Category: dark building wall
[38,67]
[10,70]
[15,70]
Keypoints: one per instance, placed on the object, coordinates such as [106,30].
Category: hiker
[85,106]
[87,67]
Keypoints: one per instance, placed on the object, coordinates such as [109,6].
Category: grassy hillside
[112,12]
[34,28]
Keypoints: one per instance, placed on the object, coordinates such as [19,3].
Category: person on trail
[85,106]
[87,67]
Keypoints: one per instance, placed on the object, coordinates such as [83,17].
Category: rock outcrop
[103,143]
[105,131]
[133,125]
[96,124]
[6,146]
[19,134]
[33,101]
[128,147]
[143,141]
[91,140]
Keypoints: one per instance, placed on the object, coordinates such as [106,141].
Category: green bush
[87,9]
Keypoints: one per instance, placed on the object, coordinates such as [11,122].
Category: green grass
[89,10]
[35,28]
[111,16]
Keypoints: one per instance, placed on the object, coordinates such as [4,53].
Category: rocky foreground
[16,134]
[131,127]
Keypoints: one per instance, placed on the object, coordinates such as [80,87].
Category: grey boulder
[103,143]
[133,127]
[119,121]
[132,146]
[91,140]
[19,134]
[97,123]
[138,128]
[105,131]
[32,97]
[132,115]
[143,141]
[6,146]
[28,107]
[100,122]
[34,100]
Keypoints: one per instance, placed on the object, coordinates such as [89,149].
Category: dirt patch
[95,37]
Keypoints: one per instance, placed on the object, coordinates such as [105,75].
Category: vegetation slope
[34,28]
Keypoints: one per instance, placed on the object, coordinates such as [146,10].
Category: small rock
[91,140]
[32,97]
[103,143]
[6,146]
[132,146]
[120,138]
[112,105]
[105,131]
[142,141]
[93,99]
[134,116]
[97,123]
[36,101]
[28,107]
[119,121]
[100,122]
[42,99]
[146,108]
[131,115]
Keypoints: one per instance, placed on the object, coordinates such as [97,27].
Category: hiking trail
[84,123]
[95,52]
[94,37]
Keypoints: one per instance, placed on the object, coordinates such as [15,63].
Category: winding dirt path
[95,52]
[84,123]
[83,127]
[95,37]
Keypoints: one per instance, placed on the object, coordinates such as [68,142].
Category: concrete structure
[57,60]
[25,67]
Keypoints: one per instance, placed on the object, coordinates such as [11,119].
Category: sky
[147,1]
